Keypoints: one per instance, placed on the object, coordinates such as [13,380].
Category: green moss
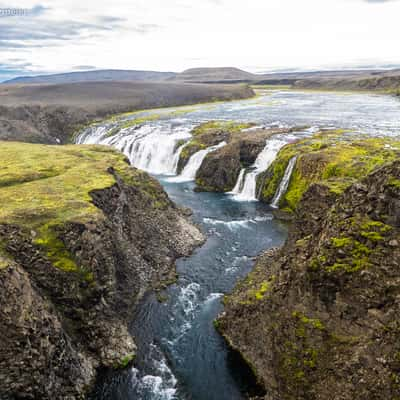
[374,230]
[395,183]
[358,248]
[332,158]
[341,242]
[262,290]
[192,147]
[219,126]
[374,236]
[42,188]
[57,253]
[125,362]
[311,322]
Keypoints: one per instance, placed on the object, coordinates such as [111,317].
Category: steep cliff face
[319,319]
[82,237]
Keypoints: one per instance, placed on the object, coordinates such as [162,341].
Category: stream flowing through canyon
[180,354]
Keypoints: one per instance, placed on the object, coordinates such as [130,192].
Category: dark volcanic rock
[320,318]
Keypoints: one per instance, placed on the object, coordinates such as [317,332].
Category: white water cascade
[283,186]
[189,172]
[239,182]
[152,148]
[246,185]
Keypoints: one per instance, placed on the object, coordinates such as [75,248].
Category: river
[181,356]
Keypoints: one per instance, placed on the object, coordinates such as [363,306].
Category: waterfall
[194,163]
[150,147]
[175,160]
[283,186]
[263,161]
[239,182]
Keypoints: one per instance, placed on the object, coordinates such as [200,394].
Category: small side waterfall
[247,189]
[194,163]
[239,182]
[283,186]
[151,147]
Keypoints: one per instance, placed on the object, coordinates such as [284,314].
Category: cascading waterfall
[239,182]
[189,172]
[283,186]
[151,147]
[247,185]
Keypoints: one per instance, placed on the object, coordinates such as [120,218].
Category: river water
[180,354]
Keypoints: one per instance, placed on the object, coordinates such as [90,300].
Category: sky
[50,36]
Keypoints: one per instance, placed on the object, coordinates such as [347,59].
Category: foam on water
[161,385]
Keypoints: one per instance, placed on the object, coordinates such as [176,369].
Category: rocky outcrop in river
[220,169]
[319,318]
[82,237]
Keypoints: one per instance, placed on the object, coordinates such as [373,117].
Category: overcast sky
[172,35]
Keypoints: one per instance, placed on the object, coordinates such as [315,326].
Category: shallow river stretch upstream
[181,356]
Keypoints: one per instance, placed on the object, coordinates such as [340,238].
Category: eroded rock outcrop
[220,169]
[320,318]
[82,237]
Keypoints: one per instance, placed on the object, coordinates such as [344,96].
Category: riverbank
[51,113]
[319,315]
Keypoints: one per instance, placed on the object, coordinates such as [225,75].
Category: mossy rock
[333,158]
[42,188]
[209,134]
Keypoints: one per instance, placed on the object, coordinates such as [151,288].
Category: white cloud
[178,34]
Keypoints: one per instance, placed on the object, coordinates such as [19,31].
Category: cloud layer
[61,35]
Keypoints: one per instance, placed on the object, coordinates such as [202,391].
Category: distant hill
[99,75]
[49,113]
[356,79]
[215,75]
[388,81]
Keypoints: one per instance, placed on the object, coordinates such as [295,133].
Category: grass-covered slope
[42,188]
[82,237]
[333,158]
[42,185]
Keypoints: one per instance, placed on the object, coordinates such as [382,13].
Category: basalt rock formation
[320,318]
[82,237]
